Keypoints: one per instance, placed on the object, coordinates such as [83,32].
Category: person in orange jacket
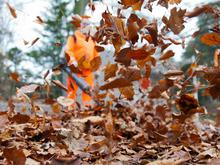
[79,47]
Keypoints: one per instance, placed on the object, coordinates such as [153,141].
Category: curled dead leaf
[12,10]
[39,20]
[59,84]
[99,48]
[167,55]
[171,73]
[34,41]
[117,83]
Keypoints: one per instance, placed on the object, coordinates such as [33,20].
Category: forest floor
[124,135]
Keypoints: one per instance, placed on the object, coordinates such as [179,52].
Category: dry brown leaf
[175,22]
[130,74]
[163,85]
[122,57]
[188,105]
[109,127]
[142,53]
[174,1]
[128,2]
[14,155]
[39,20]
[211,39]
[99,48]
[133,29]
[148,38]
[110,71]
[126,54]
[127,92]
[166,162]
[117,83]
[138,5]
[134,24]
[12,10]
[212,152]
[59,84]
[135,4]
[25,42]
[96,146]
[118,42]
[92,119]
[152,29]
[167,55]
[217,58]
[20,118]
[34,41]
[213,161]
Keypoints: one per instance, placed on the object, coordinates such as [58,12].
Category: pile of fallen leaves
[144,124]
[117,133]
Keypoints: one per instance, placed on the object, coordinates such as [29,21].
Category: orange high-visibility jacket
[79,46]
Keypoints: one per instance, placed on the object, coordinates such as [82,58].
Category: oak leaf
[175,21]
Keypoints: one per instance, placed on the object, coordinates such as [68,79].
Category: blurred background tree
[57,28]
[6,37]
